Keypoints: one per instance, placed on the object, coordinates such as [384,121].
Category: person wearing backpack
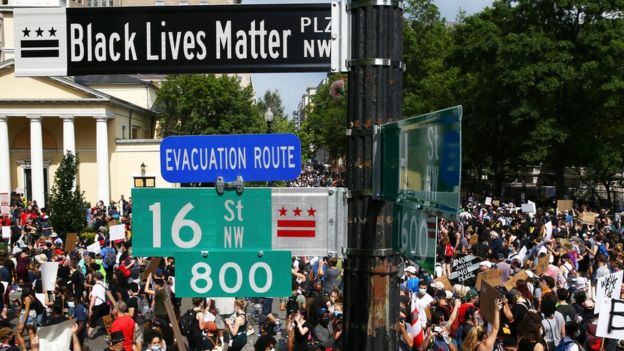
[294,302]
[97,302]
[109,259]
[568,343]
[192,324]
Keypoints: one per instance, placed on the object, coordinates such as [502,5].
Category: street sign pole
[375,97]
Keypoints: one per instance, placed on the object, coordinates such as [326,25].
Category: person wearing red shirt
[123,323]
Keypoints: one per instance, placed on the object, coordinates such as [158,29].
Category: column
[5,156]
[36,160]
[69,141]
[102,159]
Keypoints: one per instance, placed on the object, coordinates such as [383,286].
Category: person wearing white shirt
[422,300]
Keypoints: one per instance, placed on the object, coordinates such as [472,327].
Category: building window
[183,2]
[123,132]
[159,2]
[135,133]
[144,182]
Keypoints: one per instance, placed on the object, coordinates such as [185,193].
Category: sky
[291,86]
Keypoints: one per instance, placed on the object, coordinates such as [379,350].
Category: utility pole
[375,98]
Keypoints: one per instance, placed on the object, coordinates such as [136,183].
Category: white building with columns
[114,137]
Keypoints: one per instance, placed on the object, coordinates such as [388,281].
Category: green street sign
[414,235]
[168,220]
[243,273]
[421,161]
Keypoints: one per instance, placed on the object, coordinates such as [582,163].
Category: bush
[87,237]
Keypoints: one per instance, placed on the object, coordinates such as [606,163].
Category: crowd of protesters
[112,284]
[550,311]
[318,176]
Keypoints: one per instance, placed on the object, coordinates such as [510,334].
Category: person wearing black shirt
[469,322]
[481,249]
[568,312]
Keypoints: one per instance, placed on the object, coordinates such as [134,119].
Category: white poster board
[6,232]
[611,320]
[488,201]
[117,232]
[56,337]
[41,298]
[95,248]
[529,207]
[608,288]
[522,253]
[549,230]
[49,270]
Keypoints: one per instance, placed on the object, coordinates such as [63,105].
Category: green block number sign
[168,220]
[415,235]
[242,273]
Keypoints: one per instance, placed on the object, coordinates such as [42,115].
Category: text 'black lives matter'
[39,43]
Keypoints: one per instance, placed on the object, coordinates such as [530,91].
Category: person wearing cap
[470,299]
[410,272]
[323,331]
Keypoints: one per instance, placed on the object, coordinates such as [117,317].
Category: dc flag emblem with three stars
[296,222]
[40,41]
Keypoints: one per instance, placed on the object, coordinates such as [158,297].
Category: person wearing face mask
[324,331]
[422,300]
[156,343]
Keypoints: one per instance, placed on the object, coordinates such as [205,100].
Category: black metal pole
[375,97]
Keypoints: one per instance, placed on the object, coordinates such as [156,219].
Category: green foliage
[428,83]
[541,84]
[66,204]
[325,122]
[281,122]
[197,104]
[88,237]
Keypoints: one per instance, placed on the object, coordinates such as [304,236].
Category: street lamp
[142,168]
[268,118]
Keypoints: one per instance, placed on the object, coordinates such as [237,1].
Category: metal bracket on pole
[340,36]
[376,162]
[372,61]
[354,4]
[369,252]
[221,185]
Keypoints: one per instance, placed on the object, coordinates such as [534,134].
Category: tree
[197,104]
[281,122]
[325,122]
[541,86]
[66,203]
[428,83]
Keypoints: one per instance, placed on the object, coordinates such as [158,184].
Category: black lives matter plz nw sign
[181,39]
